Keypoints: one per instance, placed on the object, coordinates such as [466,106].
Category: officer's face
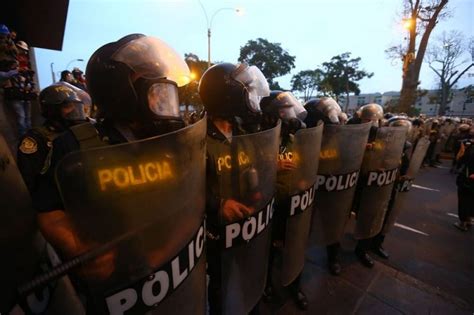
[73,111]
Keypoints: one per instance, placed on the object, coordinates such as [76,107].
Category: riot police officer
[392,213]
[284,106]
[241,172]
[61,108]
[373,114]
[332,206]
[134,83]
[465,183]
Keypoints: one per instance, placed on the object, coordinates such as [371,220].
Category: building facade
[461,102]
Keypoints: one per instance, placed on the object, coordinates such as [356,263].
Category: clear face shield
[158,72]
[163,100]
[256,84]
[73,112]
[331,109]
[290,107]
[151,58]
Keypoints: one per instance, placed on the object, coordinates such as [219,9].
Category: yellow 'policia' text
[126,176]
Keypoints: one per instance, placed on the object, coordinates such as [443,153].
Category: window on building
[361,100]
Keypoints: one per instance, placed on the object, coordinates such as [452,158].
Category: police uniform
[34,154]
[363,245]
[46,197]
[217,146]
[465,183]
[378,240]
[280,216]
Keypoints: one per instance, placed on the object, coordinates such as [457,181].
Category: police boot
[301,300]
[333,263]
[361,253]
[268,294]
[377,246]
[298,296]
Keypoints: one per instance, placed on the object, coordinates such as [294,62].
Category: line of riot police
[125,201]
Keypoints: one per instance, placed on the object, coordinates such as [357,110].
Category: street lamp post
[52,72]
[74,60]
[209,27]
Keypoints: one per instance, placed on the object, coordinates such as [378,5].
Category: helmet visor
[163,100]
[257,85]
[151,58]
[290,107]
[298,108]
[73,111]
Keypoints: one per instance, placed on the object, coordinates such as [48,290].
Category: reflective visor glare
[152,58]
[287,113]
[163,100]
[257,85]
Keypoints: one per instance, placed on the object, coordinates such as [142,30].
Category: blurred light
[407,24]
[193,76]
[239,11]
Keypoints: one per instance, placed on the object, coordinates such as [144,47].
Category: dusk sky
[311,30]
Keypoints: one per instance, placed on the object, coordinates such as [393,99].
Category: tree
[341,75]
[307,81]
[421,18]
[269,57]
[188,94]
[443,58]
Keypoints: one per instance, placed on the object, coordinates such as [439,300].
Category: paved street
[430,271]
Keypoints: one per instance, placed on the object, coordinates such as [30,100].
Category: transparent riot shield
[24,249]
[416,160]
[378,174]
[417,157]
[136,209]
[342,151]
[246,176]
[301,191]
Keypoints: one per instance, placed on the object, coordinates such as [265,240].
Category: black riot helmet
[233,90]
[61,106]
[136,79]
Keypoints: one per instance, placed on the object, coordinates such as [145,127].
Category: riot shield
[301,191]
[342,150]
[137,210]
[247,175]
[377,176]
[415,163]
[24,249]
[417,157]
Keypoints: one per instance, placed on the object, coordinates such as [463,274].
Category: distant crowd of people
[17,79]
[450,136]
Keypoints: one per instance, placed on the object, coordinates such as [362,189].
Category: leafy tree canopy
[342,73]
[269,57]
[307,82]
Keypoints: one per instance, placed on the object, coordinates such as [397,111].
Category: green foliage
[307,82]
[269,57]
[342,74]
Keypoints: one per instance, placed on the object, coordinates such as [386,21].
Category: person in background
[461,135]
[60,107]
[66,76]
[18,95]
[79,79]
[465,183]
